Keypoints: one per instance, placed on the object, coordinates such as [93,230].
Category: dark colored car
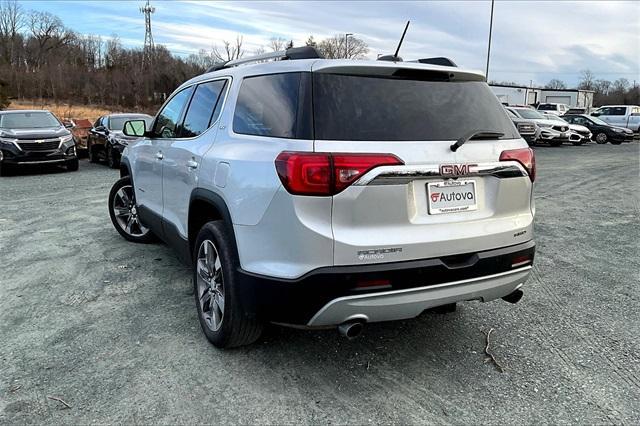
[35,137]
[106,141]
[602,131]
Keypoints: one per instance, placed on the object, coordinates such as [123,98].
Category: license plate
[452,196]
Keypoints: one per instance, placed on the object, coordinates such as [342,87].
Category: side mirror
[68,125]
[136,128]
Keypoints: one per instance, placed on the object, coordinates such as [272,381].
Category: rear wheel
[216,279]
[123,211]
[601,138]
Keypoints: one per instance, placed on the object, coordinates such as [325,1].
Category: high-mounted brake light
[323,173]
[524,156]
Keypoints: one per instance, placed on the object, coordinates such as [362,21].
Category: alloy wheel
[126,212]
[210,285]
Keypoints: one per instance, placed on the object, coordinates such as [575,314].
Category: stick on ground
[486,351]
[55,398]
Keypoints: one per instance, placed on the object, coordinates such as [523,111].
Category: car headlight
[66,139]
[122,142]
[8,140]
[618,130]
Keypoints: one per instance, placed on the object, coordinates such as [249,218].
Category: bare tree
[554,83]
[11,22]
[621,85]
[48,32]
[230,51]
[335,47]
[587,81]
[602,86]
[277,44]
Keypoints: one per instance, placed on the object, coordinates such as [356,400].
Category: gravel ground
[110,327]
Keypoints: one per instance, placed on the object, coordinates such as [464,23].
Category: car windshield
[117,123]
[530,114]
[598,121]
[547,107]
[28,120]
[366,108]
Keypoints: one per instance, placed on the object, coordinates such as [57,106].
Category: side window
[168,118]
[604,111]
[618,111]
[204,108]
[275,105]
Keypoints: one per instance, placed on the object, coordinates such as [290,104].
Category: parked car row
[627,116]
[555,130]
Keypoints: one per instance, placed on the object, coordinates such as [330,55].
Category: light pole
[489,47]
[346,45]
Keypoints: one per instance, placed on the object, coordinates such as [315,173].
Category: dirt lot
[110,327]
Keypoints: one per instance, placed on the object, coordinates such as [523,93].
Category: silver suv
[324,193]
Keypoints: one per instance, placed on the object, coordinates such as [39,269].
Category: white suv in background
[551,108]
[324,193]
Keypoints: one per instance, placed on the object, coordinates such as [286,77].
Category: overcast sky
[532,40]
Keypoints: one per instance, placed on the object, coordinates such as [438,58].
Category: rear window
[547,107]
[364,108]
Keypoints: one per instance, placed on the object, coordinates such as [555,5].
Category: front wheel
[123,211]
[216,280]
[73,165]
[601,138]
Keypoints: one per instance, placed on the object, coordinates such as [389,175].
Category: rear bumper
[329,296]
[409,303]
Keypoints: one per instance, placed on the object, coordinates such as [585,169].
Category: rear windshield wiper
[476,134]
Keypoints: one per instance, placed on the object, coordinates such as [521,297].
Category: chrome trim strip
[41,162]
[400,175]
[413,290]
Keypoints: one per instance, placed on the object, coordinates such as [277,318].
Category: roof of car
[616,106]
[14,111]
[331,65]
[128,114]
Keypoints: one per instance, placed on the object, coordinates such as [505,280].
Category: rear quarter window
[274,105]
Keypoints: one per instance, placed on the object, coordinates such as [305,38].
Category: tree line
[618,92]
[41,58]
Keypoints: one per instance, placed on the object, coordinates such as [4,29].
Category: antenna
[149,47]
[401,39]
[395,57]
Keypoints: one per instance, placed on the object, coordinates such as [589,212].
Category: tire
[92,154]
[112,160]
[124,215]
[601,138]
[216,280]
[72,165]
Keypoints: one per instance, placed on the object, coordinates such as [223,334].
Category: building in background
[522,95]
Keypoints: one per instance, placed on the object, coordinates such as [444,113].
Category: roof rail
[304,52]
[445,62]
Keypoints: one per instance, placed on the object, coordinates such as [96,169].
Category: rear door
[183,155]
[421,209]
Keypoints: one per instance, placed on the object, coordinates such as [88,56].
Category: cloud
[532,40]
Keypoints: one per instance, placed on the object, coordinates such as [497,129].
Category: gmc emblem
[456,169]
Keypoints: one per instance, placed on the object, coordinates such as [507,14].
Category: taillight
[524,156]
[322,173]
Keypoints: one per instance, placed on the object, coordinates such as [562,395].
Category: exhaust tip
[513,297]
[351,329]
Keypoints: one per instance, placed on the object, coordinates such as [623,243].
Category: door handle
[159,155]
[192,164]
